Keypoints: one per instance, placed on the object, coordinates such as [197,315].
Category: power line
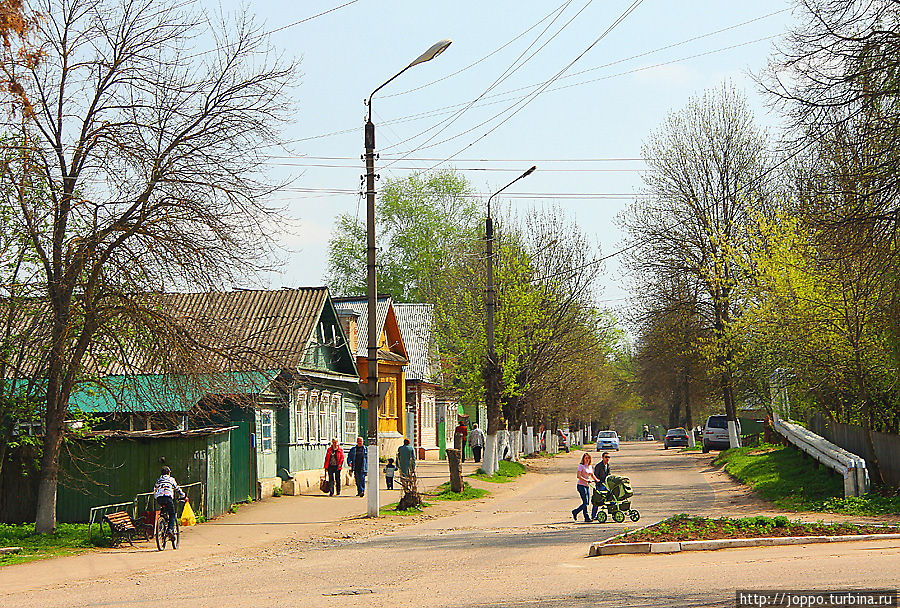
[531,87]
[270,32]
[489,55]
[532,96]
[515,66]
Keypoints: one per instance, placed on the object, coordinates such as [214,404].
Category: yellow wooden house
[392,357]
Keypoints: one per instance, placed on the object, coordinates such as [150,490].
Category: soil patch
[685,528]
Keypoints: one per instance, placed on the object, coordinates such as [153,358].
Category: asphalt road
[518,548]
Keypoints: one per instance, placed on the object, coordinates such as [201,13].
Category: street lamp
[373,396]
[492,372]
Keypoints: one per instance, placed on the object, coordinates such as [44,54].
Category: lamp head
[436,49]
[529,172]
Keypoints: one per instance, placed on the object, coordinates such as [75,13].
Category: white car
[715,433]
[607,440]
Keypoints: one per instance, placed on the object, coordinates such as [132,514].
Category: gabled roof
[416,323]
[360,306]
[271,328]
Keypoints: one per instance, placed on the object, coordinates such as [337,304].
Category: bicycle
[161,531]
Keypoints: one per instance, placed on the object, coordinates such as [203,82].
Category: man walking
[601,472]
[358,462]
[406,458]
[476,440]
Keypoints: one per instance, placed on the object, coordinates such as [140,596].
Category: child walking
[389,471]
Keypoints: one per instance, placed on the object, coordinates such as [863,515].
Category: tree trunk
[456,479]
[489,458]
[45,515]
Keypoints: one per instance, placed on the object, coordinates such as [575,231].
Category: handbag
[324,484]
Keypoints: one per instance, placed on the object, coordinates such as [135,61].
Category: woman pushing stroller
[585,475]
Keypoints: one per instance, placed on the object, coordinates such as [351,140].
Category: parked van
[715,433]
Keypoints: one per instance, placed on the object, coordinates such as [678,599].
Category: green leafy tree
[420,222]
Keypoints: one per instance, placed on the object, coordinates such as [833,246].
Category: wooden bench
[121,526]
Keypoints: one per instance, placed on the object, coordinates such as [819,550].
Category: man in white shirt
[476,440]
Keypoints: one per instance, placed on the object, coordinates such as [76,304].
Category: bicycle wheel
[177,535]
[159,532]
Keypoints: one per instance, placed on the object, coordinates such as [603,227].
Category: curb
[8,550]
[726,543]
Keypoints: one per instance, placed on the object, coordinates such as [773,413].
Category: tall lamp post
[492,372]
[373,396]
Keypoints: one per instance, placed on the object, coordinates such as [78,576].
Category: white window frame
[312,427]
[300,397]
[335,415]
[351,422]
[263,440]
[322,416]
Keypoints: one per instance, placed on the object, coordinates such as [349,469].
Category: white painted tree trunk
[529,440]
[372,481]
[691,441]
[734,438]
[489,460]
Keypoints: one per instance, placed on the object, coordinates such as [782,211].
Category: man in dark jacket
[358,462]
[406,458]
[601,470]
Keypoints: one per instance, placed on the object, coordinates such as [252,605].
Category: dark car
[676,437]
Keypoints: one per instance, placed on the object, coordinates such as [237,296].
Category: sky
[482,109]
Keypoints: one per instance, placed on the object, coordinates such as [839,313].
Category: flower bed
[686,527]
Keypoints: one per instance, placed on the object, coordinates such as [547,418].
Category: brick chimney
[349,322]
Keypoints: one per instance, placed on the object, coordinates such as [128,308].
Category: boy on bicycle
[164,492]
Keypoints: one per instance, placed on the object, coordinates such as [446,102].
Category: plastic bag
[187,515]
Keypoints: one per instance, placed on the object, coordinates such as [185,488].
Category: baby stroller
[615,500]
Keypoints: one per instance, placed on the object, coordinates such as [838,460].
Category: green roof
[164,392]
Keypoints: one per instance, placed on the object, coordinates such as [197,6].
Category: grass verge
[68,539]
[684,527]
[541,454]
[782,475]
[506,471]
[391,509]
[443,492]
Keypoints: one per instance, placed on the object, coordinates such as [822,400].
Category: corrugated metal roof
[212,430]
[263,329]
[416,323]
[361,307]
[163,392]
[239,330]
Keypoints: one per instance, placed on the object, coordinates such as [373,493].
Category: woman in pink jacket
[585,476]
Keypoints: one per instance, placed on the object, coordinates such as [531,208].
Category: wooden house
[393,423]
[288,387]
[423,376]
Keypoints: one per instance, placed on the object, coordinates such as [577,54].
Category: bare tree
[708,166]
[150,152]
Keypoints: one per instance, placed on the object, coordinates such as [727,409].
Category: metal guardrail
[850,466]
[133,506]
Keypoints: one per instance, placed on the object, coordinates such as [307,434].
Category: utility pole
[492,371]
[373,397]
